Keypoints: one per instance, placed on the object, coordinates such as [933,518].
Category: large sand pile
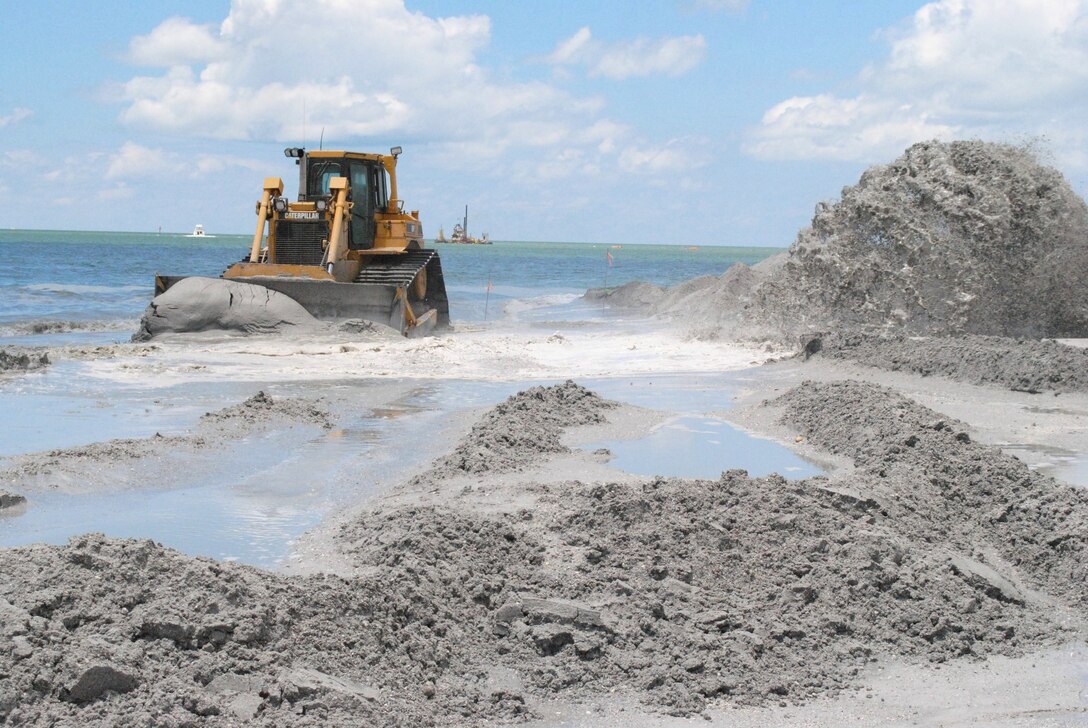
[963,237]
[675,591]
[950,238]
[215,304]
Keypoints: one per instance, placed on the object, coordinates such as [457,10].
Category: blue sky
[679,121]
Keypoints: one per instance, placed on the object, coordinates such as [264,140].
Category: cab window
[321,173]
[362,210]
[381,194]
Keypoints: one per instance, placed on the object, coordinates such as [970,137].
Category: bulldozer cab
[367,190]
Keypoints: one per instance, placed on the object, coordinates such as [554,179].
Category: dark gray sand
[678,594]
[1042,690]
[507,436]
[214,304]
[520,579]
[952,261]
[10,501]
[950,238]
[1022,365]
[20,360]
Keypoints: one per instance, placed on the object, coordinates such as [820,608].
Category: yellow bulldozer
[346,249]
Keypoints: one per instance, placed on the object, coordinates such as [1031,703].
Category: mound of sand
[522,429]
[1022,365]
[960,237]
[16,360]
[950,238]
[677,591]
[119,632]
[10,500]
[209,304]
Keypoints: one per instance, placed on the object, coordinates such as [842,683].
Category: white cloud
[371,73]
[573,49]
[676,157]
[667,56]
[18,114]
[827,127]
[671,56]
[362,69]
[968,68]
[119,191]
[134,161]
[174,42]
[19,158]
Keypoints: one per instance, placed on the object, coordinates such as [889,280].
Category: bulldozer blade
[372,297]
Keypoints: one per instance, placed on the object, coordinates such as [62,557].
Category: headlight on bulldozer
[321,205]
[280,204]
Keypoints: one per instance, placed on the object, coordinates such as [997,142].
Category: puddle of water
[250,506]
[682,393]
[703,447]
[1072,470]
[61,408]
[216,520]
[1064,465]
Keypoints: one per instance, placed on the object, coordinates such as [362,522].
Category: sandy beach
[507,511]
[627,518]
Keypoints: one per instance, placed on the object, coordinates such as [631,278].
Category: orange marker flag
[609,254]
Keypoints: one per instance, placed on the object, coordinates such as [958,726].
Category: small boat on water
[198,232]
[460,234]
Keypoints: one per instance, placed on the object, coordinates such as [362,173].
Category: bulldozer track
[395,270]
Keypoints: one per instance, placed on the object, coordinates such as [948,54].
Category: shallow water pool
[693,446]
[252,504]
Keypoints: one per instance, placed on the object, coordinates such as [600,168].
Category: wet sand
[541,484]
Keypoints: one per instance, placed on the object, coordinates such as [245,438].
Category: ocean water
[103,281]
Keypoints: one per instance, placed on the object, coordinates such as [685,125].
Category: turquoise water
[104,280]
